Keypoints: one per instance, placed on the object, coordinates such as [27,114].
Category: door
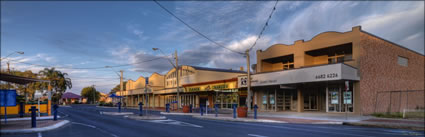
[311,100]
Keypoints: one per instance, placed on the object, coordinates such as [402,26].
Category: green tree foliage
[89,92]
[117,87]
[58,80]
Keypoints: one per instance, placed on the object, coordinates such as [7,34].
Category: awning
[19,79]
[328,72]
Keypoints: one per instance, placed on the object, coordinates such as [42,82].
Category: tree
[117,87]
[89,92]
[58,81]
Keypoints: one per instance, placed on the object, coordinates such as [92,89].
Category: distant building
[70,98]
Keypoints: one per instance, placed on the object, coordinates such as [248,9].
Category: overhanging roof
[19,79]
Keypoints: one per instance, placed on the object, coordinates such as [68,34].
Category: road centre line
[94,128]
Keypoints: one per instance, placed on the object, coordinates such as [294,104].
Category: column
[300,101]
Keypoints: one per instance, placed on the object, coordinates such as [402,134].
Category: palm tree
[58,81]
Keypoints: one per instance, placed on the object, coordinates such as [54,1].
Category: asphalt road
[86,121]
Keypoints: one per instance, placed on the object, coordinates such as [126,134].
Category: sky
[73,35]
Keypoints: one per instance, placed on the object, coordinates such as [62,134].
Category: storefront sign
[334,97]
[227,87]
[301,75]
[347,97]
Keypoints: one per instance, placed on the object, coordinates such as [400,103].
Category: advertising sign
[334,97]
[7,97]
[347,97]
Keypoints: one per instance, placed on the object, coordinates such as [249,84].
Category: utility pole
[178,89]
[121,85]
[94,94]
[248,99]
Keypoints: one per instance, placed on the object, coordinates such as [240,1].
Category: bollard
[190,108]
[140,109]
[167,108]
[33,116]
[55,112]
[21,109]
[119,107]
[255,111]
[201,110]
[216,110]
[234,110]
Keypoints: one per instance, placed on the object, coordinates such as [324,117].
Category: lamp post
[121,80]
[176,66]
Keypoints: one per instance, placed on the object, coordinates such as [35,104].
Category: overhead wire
[264,27]
[193,29]
[100,67]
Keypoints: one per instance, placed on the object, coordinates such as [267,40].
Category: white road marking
[255,135]
[173,122]
[95,128]
[305,129]
[39,134]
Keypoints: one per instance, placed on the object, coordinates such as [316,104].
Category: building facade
[333,72]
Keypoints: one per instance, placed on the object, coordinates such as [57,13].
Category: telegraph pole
[94,94]
[121,85]
[248,99]
[178,91]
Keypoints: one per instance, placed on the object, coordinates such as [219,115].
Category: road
[86,121]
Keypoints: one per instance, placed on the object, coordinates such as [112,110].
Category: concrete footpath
[24,126]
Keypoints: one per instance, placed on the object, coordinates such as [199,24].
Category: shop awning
[328,72]
[19,79]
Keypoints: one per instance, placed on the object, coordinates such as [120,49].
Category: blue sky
[94,34]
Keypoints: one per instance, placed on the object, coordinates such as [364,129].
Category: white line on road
[39,134]
[173,122]
[95,128]
[255,135]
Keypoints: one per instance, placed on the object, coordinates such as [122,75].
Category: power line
[102,67]
[264,27]
[193,29]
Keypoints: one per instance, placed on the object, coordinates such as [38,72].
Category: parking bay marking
[173,122]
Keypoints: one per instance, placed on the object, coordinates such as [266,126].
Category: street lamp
[176,66]
[121,80]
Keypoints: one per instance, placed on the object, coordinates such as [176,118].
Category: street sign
[7,97]
[347,85]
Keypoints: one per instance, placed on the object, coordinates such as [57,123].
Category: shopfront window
[340,99]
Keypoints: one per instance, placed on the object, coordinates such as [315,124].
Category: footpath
[23,125]
[314,118]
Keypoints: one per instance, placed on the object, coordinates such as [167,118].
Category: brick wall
[379,71]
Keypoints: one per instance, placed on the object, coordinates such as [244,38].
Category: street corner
[239,119]
[116,113]
[22,127]
[148,117]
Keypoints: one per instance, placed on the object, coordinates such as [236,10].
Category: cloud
[394,21]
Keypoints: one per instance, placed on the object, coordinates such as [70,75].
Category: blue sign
[147,80]
[8,97]
[174,102]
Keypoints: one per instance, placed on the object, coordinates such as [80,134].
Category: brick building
[337,72]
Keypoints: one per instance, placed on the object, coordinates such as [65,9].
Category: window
[288,65]
[402,61]
[338,58]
